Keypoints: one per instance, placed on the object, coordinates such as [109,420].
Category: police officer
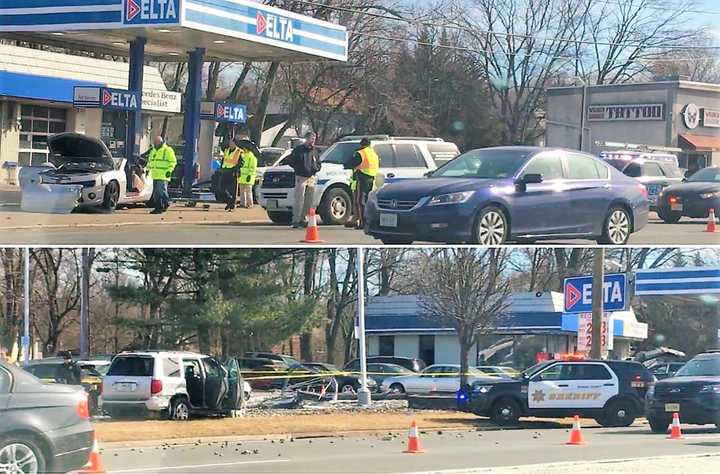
[161,164]
[232,161]
[365,164]
[248,173]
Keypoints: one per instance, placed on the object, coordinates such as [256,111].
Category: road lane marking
[196,466]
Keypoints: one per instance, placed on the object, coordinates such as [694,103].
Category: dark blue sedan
[494,195]
[693,198]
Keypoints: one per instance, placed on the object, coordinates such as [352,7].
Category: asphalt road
[383,454]
[257,234]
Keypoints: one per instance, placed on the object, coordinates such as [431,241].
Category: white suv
[171,384]
[400,158]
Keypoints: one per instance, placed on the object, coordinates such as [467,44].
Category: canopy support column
[191,127]
[135,83]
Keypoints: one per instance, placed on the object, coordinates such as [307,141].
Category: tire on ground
[505,412]
[325,210]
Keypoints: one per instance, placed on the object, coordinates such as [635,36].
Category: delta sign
[578,293]
[274,27]
[223,112]
[151,12]
[105,98]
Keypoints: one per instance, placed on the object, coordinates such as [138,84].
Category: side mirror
[532,178]
[428,174]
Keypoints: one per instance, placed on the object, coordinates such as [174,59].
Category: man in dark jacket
[306,164]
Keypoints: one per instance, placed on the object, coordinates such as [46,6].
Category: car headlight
[716,194]
[482,388]
[713,388]
[451,198]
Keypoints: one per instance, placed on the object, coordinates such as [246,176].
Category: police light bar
[570,356]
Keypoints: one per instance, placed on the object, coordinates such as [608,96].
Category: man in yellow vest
[248,173]
[232,161]
[365,164]
[161,164]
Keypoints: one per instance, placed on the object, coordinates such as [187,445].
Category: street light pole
[85,265]
[597,302]
[363,392]
[582,115]
[26,308]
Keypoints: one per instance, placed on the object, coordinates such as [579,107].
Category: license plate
[125,387]
[272,204]
[672,407]
[676,207]
[388,220]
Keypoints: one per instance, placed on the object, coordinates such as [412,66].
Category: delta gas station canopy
[228,30]
[172,30]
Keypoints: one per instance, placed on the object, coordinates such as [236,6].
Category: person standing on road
[248,173]
[161,164]
[232,161]
[306,164]
[365,164]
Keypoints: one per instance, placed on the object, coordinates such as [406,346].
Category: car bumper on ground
[701,410]
[71,447]
[446,223]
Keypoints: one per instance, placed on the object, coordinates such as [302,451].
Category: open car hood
[78,148]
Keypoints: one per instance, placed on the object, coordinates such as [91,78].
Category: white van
[400,158]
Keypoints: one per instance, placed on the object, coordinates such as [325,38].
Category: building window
[426,349]
[37,123]
[387,345]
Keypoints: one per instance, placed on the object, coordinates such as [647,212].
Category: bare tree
[468,288]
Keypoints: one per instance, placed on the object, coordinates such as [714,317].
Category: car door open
[216,383]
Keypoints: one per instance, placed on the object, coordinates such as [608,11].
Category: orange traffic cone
[711,224]
[576,437]
[94,465]
[413,440]
[675,431]
[312,236]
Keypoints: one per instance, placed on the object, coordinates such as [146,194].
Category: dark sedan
[494,195]
[694,198]
[347,382]
[44,427]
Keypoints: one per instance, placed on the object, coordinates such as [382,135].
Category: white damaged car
[82,172]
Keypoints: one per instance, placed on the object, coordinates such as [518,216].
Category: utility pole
[87,256]
[597,302]
[582,115]
[364,392]
[26,308]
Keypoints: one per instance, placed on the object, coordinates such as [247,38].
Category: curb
[131,223]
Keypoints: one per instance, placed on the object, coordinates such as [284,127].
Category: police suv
[400,158]
[611,392]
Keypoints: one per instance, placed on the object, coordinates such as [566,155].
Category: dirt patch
[296,424]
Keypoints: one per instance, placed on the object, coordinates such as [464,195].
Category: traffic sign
[578,293]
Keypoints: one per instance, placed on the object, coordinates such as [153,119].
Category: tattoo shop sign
[626,112]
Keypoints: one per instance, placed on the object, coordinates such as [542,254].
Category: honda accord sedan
[693,198]
[494,195]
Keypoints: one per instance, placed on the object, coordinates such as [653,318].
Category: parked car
[400,158]
[693,198]
[498,371]
[438,378]
[257,371]
[380,372]
[666,370]
[495,195]
[289,360]
[347,383]
[612,392]
[45,428]
[693,392]
[171,384]
[66,371]
[656,171]
[411,363]
[81,173]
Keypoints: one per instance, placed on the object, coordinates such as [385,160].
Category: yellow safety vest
[370,162]
[248,171]
[231,157]
[161,163]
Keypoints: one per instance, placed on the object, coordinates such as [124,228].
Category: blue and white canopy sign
[223,112]
[105,98]
[151,12]
[578,293]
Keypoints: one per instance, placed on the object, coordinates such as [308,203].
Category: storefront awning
[699,142]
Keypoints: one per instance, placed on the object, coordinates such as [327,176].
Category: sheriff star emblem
[538,396]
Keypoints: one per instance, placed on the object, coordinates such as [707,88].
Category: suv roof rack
[388,137]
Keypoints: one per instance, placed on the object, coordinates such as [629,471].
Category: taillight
[155,386]
[644,191]
[83,408]
[637,381]
[672,199]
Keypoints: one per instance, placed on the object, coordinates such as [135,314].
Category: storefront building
[36,101]
[673,114]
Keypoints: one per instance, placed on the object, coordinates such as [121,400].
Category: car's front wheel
[280,217]
[348,388]
[397,388]
[20,455]
[491,227]
[111,196]
[336,207]
[670,217]
[617,227]
[505,412]
[658,425]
